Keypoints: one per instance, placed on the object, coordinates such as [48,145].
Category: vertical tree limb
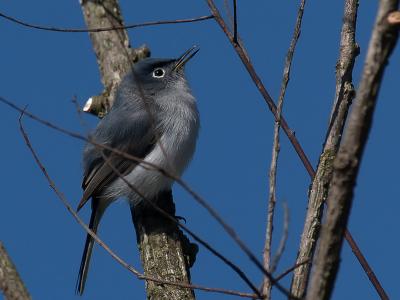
[319,188]
[113,51]
[275,152]
[11,283]
[347,162]
[165,251]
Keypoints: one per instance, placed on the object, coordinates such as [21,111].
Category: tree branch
[319,188]
[346,164]
[113,51]
[11,284]
[284,237]
[275,152]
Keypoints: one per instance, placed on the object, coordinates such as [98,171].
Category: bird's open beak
[185,57]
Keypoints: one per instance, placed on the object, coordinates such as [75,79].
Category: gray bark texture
[165,252]
[348,159]
[115,56]
[319,188]
[11,283]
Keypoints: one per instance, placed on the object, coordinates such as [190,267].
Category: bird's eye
[158,73]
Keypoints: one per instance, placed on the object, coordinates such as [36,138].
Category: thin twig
[74,30]
[347,162]
[235,30]
[242,53]
[228,12]
[103,244]
[182,183]
[284,237]
[275,151]
[291,269]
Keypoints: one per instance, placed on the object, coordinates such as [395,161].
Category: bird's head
[154,75]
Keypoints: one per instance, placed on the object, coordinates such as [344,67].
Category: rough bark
[113,51]
[11,283]
[165,251]
[161,246]
[348,159]
[319,188]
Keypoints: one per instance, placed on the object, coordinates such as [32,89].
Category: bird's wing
[135,137]
[103,174]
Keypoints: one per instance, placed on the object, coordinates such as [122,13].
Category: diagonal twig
[291,269]
[242,53]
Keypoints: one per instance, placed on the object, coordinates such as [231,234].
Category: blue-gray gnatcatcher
[155,118]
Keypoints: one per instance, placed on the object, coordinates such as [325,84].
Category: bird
[155,118]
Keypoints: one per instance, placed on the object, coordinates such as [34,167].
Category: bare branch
[101,29]
[275,153]
[283,274]
[346,165]
[11,284]
[341,104]
[114,54]
[242,53]
[284,237]
[228,12]
[235,30]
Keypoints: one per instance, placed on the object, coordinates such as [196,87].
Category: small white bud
[88,104]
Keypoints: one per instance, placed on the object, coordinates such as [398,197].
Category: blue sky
[45,70]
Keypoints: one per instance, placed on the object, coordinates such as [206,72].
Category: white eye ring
[158,73]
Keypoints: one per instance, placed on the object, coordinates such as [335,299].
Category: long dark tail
[87,251]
